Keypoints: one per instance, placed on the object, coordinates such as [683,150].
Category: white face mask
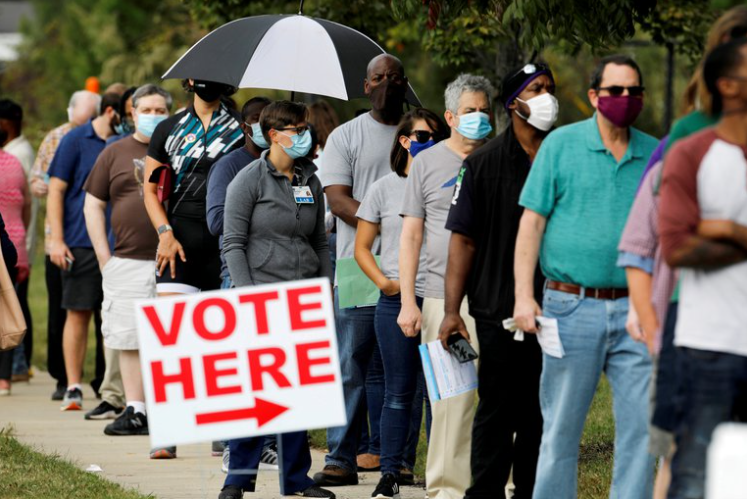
[543,111]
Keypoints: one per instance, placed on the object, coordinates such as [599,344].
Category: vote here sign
[243,362]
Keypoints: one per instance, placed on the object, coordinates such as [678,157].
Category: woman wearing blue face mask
[378,215]
[273,231]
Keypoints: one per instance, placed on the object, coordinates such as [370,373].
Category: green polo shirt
[586,195]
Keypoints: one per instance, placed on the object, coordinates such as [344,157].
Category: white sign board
[726,470]
[238,363]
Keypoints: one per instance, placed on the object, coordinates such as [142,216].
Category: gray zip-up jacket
[267,236]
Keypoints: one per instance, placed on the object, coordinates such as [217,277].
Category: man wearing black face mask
[356,155]
[187,144]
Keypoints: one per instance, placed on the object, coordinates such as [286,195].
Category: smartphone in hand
[461,349]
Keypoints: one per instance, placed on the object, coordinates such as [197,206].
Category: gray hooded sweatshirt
[267,236]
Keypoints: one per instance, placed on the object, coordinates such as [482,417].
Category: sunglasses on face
[298,129]
[422,136]
[618,90]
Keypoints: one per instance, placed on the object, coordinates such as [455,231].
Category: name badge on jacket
[303,194]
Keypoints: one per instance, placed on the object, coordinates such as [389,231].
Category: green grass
[26,473]
[597,446]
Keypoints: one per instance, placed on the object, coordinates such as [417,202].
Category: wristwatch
[164,228]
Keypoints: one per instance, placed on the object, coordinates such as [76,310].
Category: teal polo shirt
[586,195]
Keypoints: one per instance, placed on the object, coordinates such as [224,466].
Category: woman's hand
[390,287]
[168,247]
[410,320]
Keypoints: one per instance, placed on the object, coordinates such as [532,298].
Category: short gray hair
[466,83]
[76,98]
[149,89]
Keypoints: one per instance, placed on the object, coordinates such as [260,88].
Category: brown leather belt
[599,294]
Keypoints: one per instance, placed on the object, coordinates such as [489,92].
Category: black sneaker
[59,393]
[316,491]
[334,476]
[269,458]
[387,488]
[129,423]
[104,411]
[231,492]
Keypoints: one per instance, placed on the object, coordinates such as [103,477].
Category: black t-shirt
[182,142]
[486,208]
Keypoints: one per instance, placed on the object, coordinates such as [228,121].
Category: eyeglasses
[298,129]
[422,136]
[618,90]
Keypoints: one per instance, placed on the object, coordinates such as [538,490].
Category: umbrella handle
[300,8]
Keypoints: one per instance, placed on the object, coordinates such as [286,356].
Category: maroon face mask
[621,110]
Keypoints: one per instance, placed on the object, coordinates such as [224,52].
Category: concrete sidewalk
[195,474]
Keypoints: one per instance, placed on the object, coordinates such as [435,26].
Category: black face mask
[211,91]
[388,97]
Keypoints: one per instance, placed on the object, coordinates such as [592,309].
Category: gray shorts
[81,285]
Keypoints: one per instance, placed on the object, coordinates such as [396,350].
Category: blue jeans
[356,342]
[714,385]
[294,456]
[401,366]
[370,439]
[594,338]
[416,420]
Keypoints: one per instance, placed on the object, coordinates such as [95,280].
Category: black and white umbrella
[283,52]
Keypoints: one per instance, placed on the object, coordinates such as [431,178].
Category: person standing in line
[15,143]
[183,148]
[15,204]
[71,249]
[703,227]
[484,221]
[83,106]
[220,176]
[428,195]
[356,155]
[578,231]
[129,274]
[272,233]
[378,216]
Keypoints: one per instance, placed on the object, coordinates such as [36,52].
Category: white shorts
[125,281]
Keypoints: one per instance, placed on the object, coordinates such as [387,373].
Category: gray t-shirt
[382,206]
[428,194]
[357,155]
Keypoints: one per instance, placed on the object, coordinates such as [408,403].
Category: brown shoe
[334,476]
[406,477]
[369,462]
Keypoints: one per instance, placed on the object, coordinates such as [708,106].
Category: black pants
[508,378]
[22,290]
[56,324]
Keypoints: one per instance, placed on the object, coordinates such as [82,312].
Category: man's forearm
[345,209]
[698,252]
[55,207]
[640,287]
[528,241]
[409,256]
[461,256]
[95,215]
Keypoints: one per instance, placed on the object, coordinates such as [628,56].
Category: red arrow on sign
[263,411]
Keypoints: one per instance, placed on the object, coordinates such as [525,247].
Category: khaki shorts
[125,282]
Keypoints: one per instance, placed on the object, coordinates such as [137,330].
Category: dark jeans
[56,316]
[668,377]
[6,364]
[416,420]
[714,387]
[370,440]
[22,354]
[401,362]
[294,461]
[508,377]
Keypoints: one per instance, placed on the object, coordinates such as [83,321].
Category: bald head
[383,64]
[84,105]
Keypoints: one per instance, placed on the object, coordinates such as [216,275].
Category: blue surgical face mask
[123,128]
[147,123]
[257,137]
[475,126]
[301,145]
[418,147]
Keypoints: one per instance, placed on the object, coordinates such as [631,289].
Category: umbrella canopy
[283,52]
